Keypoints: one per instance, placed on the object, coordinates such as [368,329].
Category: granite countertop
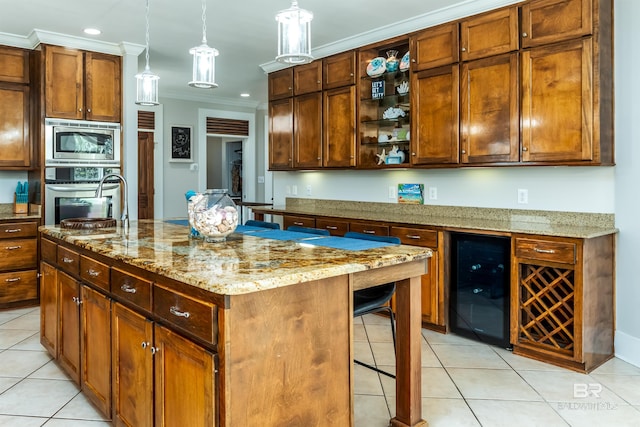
[242,264]
[547,223]
[6,213]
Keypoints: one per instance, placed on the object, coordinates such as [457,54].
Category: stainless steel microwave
[80,142]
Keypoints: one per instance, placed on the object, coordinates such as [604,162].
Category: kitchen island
[169,330]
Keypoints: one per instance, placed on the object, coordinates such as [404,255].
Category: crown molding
[15,40]
[407,26]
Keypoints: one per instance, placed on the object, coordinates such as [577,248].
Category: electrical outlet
[308,189]
[523,196]
[261,179]
[433,193]
[288,190]
[392,192]
[294,190]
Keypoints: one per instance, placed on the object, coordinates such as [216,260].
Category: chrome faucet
[125,208]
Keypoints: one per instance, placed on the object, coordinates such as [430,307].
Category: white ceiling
[243,31]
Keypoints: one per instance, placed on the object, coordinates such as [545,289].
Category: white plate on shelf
[404,62]
[377,67]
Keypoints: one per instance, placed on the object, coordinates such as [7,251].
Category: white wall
[627,177]
[8,182]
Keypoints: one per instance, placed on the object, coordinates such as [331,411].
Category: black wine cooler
[479,294]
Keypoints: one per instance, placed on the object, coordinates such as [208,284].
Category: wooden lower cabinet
[49,308]
[159,375]
[69,325]
[18,263]
[562,300]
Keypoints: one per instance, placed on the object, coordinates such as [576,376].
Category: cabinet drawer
[335,227]
[18,286]
[17,254]
[302,221]
[416,236]
[13,230]
[375,229]
[68,260]
[48,250]
[546,250]
[131,288]
[94,272]
[196,317]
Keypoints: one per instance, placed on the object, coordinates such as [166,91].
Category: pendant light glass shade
[146,81]
[204,59]
[294,35]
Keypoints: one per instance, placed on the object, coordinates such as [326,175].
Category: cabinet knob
[318,82]
[525,35]
[88,110]
[464,151]
[413,154]
[350,74]
[413,59]
[524,148]
[464,49]
[318,158]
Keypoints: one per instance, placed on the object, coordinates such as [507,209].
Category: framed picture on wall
[181,144]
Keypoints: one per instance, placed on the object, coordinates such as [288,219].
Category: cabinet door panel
[185,387]
[281,84]
[490,124]
[96,349]
[434,116]
[490,34]
[307,124]
[307,78]
[14,65]
[64,86]
[339,120]
[557,103]
[102,87]
[281,134]
[435,47]
[132,338]
[69,325]
[339,70]
[49,308]
[15,145]
[549,21]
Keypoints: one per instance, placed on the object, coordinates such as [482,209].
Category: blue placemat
[178,221]
[346,243]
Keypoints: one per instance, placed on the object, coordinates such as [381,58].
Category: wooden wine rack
[547,306]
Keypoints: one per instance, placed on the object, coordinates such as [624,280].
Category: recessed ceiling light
[92,31]
[245,95]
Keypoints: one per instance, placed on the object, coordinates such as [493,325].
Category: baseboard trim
[627,348]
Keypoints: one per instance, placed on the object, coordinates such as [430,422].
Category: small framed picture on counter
[181,144]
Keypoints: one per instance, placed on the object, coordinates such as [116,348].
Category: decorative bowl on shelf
[404,62]
[377,67]
[392,61]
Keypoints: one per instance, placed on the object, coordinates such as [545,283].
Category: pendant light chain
[147,38]
[204,21]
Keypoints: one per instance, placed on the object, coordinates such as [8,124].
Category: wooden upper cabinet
[490,122]
[557,103]
[15,143]
[550,21]
[14,65]
[103,87]
[435,47]
[307,78]
[435,116]
[281,84]
[489,34]
[281,134]
[81,85]
[307,125]
[339,122]
[339,70]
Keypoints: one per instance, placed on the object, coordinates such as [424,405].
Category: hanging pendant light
[204,59]
[294,35]
[146,81]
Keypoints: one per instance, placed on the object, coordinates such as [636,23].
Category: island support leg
[408,359]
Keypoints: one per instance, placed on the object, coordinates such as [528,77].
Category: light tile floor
[464,383]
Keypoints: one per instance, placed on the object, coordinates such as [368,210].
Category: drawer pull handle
[13,279]
[93,273]
[331,227]
[413,236]
[369,231]
[174,310]
[298,223]
[544,251]
[13,230]
[128,289]
[12,248]
[67,260]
